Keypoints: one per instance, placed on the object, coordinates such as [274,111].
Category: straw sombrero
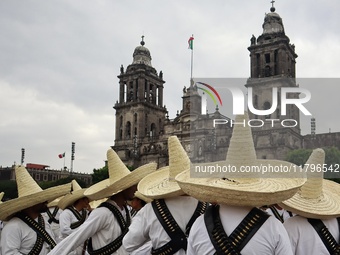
[1,196]
[120,177]
[162,183]
[76,193]
[142,197]
[95,203]
[29,194]
[55,202]
[317,198]
[242,188]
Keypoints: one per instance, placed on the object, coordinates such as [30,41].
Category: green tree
[100,174]
[103,173]
[49,184]
[332,156]
[10,189]
[298,157]
[332,160]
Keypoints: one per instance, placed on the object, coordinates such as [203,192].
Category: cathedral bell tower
[272,67]
[271,54]
[140,113]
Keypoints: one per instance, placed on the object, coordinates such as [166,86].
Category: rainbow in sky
[211,91]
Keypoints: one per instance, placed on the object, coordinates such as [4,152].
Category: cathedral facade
[143,124]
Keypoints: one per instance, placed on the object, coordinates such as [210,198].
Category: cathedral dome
[142,55]
[273,23]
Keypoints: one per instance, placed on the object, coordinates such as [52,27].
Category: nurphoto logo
[280,98]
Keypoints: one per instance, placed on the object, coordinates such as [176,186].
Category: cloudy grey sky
[60,59]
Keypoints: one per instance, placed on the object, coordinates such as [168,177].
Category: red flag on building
[61,155]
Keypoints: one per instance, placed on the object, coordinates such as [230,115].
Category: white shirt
[270,239]
[303,237]
[54,226]
[101,225]
[145,225]
[66,218]
[145,249]
[18,238]
[1,227]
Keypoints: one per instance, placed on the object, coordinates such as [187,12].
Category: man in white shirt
[270,238]
[74,214]
[27,231]
[108,223]
[234,224]
[52,217]
[171,211]
[315,228]
[137,203]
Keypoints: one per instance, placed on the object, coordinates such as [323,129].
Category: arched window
[267,71]
[128,130]
[152,130]
[121,121]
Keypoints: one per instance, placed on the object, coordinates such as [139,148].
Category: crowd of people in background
[167,211]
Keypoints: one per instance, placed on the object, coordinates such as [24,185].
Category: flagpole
[64,162]
[192,61]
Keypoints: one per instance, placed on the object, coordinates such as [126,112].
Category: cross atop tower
[272,9]
[142,42]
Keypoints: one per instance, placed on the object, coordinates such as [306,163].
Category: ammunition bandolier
[178,237]
[234,243]
[42,235]
[81,217]
[328,240]
[115,244]
[52,215]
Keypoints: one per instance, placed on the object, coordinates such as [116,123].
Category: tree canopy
[332,160]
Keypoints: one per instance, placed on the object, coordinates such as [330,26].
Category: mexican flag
[61,155]
[191,42]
